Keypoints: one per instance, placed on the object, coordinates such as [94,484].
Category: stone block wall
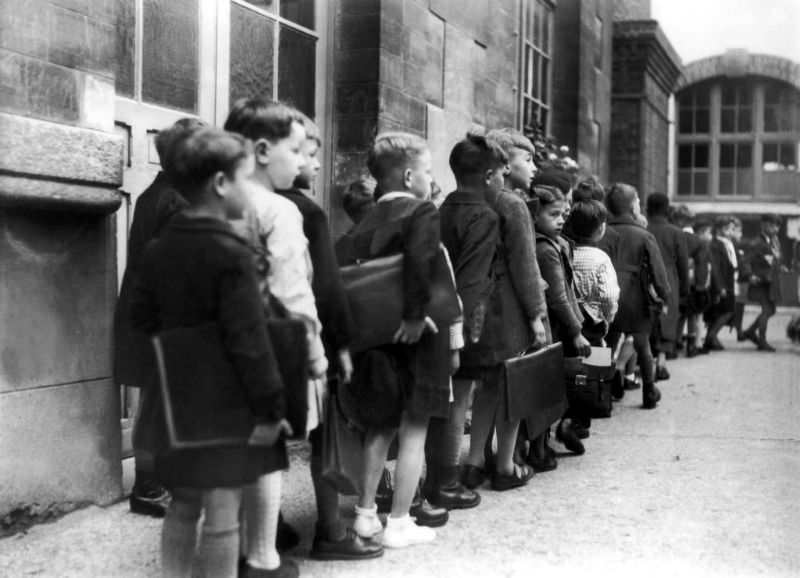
[434,68]
[60,165]
[581,93]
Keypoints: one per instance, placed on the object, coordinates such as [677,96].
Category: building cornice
[738,63]
[649,45]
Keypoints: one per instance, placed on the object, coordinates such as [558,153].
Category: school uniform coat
[401,223]
[723,278]
[201,271]
[634,247]
[332,307]
[672,244]
[764,261]
[154,208]
[563,311]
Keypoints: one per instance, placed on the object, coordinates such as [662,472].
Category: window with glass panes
[163,69]
[693,165]
[537,17]
[694,110]
[736,168]
[779,156]
[781,108]
[273,51]
[736,108]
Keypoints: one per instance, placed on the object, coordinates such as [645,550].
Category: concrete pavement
[708,484]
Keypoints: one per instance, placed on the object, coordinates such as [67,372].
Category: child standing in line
[595,279]
[470,231]
[357,201]
[415,370]
[274,228]
[724,274]
[332,539]
[201,271]
[555,262]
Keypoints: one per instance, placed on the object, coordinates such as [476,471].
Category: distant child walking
[201,271]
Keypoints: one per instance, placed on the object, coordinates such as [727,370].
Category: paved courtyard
[706,485]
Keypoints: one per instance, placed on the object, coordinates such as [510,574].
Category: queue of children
[534,258]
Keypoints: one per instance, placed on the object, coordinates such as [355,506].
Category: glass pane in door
[252,51]
[170,53]
[296,69]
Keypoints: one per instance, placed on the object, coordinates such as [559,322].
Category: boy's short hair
[312,130]
[394,151]
[585,219]
[772,219]
[682,215]
[476,154]
[620,199]
[554,177]
[547,195]
[588,189]
[702,224]
[657,204]
[204,153]
[167,139]
[722,221]
[256,118]
[509,138]
[358,197]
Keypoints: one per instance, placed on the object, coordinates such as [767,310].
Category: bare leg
[484,407]
[410,457]
[506,440]
[376,447]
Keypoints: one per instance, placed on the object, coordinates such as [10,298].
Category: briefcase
[374,290]
[204,402]
[534,388]
[588,387]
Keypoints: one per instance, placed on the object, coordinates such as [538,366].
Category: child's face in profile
[521,168]
[550,219]
[704,234]
[237,188]
[311,165]
[419,178]
[284,159]
[736,234]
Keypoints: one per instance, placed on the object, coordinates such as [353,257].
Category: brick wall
[632,9]
[431,67]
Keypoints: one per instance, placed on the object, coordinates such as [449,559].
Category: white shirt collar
[395,195]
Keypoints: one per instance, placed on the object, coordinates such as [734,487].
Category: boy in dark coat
[332,540]
[154,208]
[637,260]
[764,258]
[199,272]
[724,273]
[672,244]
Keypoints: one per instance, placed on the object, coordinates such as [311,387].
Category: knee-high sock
[179,534]
[261,505]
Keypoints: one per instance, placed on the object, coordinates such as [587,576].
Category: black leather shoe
[566,435]
[286,537]
[764,346]
[691,350]
[472,476]
[351,547]
[149,499]
[520,477]
[662,373]
[651,397]
[428,515]
[541,464]
[454,496]
[580,430]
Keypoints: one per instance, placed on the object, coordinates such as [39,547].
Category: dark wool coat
[672,244]
[723,277]
[154,208]
[609,243]
[200,271]
[407,225]
[332,306]
[563,311]
[764,261]
[632,249]
[700,261]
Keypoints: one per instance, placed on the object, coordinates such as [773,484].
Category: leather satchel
[374,290]
[204,402]
[588,387]
[534,388]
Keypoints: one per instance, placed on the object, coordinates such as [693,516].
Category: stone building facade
[87,84]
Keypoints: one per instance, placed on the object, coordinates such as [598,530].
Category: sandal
[520,477]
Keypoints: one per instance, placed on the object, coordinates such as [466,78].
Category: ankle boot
[450,493]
